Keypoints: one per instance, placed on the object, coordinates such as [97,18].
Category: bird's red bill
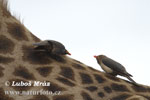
[95,56]
[68,52]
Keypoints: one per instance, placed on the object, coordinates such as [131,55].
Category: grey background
[119,29]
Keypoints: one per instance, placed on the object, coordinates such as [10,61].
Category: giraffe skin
[69,79]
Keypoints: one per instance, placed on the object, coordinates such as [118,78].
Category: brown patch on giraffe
[36,39]
[17,31]
[139,88]
[19,81]
[107,89]
[99,78]
[91,88]
[65,81]
[148,89]
[54,87]
[0,25]
[40,97]
[44,71]
[86,79]
[1,71]
[113,78]
[67,72]
[64,97]
[101,94]
[136,98]
[92,69]
[147,97]
[35,57]
[78,66]
[5,60]
[58,58]
[24,73]
[4,96]
[86,96]
[121,97]
[119,87]
[6,45]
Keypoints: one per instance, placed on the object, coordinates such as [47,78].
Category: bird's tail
[128,74]
[131,79]
[42,43]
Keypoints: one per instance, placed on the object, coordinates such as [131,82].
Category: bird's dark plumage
[112,67]
[52,47]
[115,66]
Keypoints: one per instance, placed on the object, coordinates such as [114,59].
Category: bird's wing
[115,66]
[42,43]
[40,48]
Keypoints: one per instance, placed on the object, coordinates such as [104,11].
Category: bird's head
[58,48]
[66,52]
[51,46]
[99,58]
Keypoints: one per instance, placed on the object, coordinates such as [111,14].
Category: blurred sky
[120,29]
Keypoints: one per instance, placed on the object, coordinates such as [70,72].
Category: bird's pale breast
[106,69]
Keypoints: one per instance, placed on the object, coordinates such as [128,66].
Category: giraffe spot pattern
[113,78]
[40,97]
[64,97]
[3,96]
[148,97]
[99,78]
[119,87]
[121,97]
[19,88]
[86,96]
[138,88]
[91,88]
[107,89]
[17,31]
[0,25]
[44,71]
[1,71]
[6,45]
[101,94]
[35,57]
[6,60]
[148,89]
[54,87]
[78,66]
[92,69]
[58,58]
[135,98]
[24,73]
[67,72]
[65,81]
[86,79]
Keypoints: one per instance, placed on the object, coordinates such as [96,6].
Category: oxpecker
[51,46]
[112,67]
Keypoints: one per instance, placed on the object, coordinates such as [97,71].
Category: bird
[51,46]
[112,67]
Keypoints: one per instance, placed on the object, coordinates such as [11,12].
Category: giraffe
[60,77]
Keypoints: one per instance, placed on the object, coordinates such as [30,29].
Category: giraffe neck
[76,81]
